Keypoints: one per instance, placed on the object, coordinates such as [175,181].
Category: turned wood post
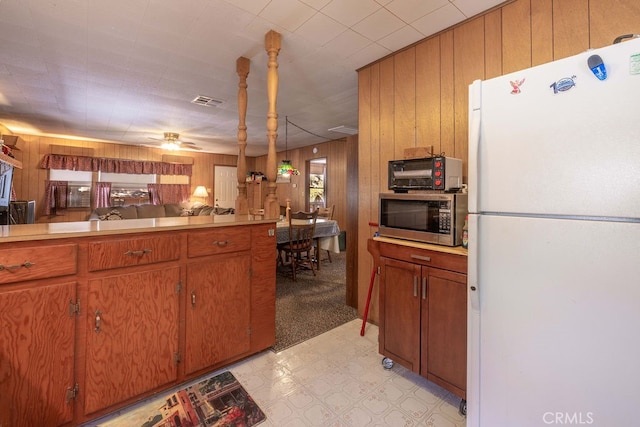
[242,68]
[272,43]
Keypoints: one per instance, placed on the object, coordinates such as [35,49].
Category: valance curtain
[95,164]
[102,194]
[55,197]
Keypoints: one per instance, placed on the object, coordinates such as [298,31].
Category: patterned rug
[312,304]
[215,401]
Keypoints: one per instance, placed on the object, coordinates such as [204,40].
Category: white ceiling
[126,70]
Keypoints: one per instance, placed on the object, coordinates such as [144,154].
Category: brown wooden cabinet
[423,317]
[131,327]
[93,323]
[37,334]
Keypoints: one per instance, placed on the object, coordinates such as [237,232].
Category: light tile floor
[337,379]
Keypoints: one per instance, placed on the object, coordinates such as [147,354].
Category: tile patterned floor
[336,379]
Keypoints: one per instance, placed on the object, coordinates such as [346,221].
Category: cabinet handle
[424,288]
[25,264]
[221,244]
[415,286]
[98,322]
[193,298]
[138,253]
[421,257]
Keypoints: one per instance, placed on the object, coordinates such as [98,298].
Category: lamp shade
[201,191]
[286,168]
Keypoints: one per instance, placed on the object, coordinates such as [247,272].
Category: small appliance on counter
[430,173]
[424,217]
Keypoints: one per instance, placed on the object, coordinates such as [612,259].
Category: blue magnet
[597,67]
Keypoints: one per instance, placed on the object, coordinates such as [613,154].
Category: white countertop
[60,230]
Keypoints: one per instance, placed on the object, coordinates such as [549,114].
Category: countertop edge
[455,250]
[65,230]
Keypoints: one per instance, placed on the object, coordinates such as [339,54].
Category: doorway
[317,184]
[225,183]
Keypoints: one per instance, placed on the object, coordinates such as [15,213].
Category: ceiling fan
[171,141]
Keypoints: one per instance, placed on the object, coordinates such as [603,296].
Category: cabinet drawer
[109,254]
[426,257]
[19,265]
[218,241]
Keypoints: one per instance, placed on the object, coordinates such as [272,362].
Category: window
[128,189]
[317,183]
[78,186]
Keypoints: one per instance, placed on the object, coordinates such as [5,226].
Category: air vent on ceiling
[206,101]
[344,129]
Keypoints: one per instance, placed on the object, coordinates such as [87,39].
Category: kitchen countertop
[60,230]
[456,250]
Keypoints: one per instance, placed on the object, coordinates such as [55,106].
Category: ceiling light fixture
[171,141]
[285,167]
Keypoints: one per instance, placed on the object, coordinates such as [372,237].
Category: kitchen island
[97,315]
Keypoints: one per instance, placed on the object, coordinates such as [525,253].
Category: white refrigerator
[554,243]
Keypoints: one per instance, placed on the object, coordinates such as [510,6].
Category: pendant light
[285,167]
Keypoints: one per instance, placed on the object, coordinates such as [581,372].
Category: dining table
[326,234]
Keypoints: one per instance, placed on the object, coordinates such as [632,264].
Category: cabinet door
[37,334]
[399,332]
[445,329]
[218,310]
[132,335]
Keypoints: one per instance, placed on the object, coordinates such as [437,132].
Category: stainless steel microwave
[426,217]
[429,173]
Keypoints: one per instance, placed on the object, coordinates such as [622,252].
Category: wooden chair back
[326,213]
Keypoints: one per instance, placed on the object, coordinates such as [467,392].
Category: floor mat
[219,400]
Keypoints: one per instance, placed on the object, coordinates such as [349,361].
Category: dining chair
[326,213]
[298,250]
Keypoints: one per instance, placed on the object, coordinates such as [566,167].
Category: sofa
[156,211]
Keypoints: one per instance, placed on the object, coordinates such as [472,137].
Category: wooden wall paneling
[404,74]
[493,44]
[469,65]
[366,104]
[428,93]
[516,36]
[610,19]
[447,96]
[570,27]
[387,142]
[351,220]
[541,32]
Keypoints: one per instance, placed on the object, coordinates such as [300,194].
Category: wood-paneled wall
[418,96]
[336,186]
[29,183]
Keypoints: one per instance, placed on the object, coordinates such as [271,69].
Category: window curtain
[55,197]
[154,194]
[168,193]
[175,193]
[102,194]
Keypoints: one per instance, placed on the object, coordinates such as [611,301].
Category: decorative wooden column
[242,68]
[272,43]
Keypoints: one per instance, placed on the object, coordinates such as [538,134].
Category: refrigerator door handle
[472,263]
[475,115]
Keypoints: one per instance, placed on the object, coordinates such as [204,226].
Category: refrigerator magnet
[634,64]
[597,67]
[563,84]
[515,86]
